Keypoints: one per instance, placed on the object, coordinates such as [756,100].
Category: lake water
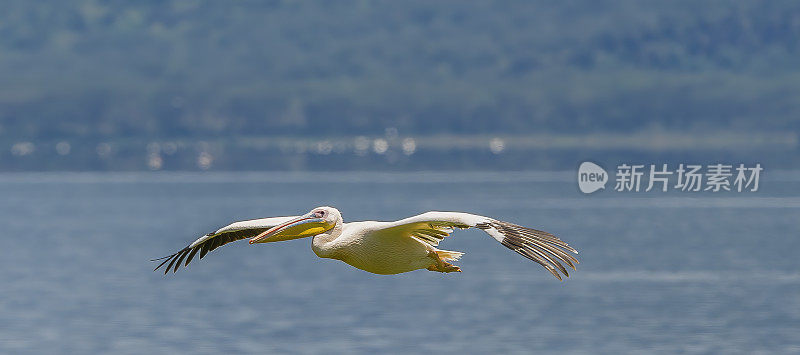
[659,272]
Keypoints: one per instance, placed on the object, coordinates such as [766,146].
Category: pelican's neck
[323,244]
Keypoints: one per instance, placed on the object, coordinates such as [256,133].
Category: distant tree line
[95,69]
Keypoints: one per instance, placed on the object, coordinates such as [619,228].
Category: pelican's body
[385,247]
[363,246]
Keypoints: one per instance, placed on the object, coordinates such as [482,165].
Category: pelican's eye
[319,214]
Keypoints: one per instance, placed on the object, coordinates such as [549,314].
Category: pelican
[383,247]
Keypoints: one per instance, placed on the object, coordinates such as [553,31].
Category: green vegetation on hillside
[164,69]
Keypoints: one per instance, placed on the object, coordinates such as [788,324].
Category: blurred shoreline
[397,152]
[281,177]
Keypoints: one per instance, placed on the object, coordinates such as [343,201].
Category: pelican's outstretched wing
[230,233]
[541,247]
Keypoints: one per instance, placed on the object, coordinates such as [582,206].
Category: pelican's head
[317,221]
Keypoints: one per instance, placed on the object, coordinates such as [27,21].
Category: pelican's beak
[300,227]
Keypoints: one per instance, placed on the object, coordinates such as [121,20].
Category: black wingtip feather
[180,259]
[191,255]
[168,258]
[173,261]
[161,258]
[538,246]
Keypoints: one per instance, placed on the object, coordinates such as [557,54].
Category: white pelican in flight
[384,247]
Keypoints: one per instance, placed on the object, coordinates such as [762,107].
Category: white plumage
[384,247]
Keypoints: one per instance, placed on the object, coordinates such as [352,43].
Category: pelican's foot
[441,265]
[446,268]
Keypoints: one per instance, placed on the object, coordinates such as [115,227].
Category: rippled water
[676,272]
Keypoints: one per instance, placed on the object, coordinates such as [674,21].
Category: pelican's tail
[447,255]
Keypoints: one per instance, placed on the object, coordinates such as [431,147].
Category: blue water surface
[674,272]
